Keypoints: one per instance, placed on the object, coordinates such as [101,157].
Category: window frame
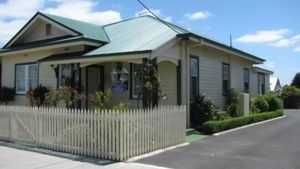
[224,93]
[132,82]
[197,78]
[248,89]
[59,76]
[26,77]
[261,87]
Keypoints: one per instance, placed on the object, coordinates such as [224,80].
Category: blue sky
[267,28]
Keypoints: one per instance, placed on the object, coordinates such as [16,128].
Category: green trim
[61,24]
[263,70]
[178,69]
[47,59]
[5,46]
[48,44]
[131,68]
[15,78]
[186,35]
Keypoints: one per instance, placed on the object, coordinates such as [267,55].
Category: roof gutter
[222,47]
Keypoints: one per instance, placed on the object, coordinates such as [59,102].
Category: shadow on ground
[32,148]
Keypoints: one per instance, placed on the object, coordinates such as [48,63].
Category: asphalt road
[272,145]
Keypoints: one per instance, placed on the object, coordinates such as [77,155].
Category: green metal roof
[87,30]
[141,34]
[137,34]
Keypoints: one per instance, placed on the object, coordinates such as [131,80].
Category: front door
[95,81]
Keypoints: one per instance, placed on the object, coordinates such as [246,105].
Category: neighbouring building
[275,85]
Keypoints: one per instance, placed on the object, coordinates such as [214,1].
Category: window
[66,77]
[194,76]
[136,81]
[246,80]
[261,83]
[225,78]
[48,29]
[26,77]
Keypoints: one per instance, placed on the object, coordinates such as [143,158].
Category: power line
[157,17]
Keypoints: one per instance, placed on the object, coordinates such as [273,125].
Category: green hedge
[211,127]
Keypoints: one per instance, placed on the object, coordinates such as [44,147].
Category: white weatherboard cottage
[56,51]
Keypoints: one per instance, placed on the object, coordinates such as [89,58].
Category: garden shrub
[274,102]
[232,103]
[202,109]
[261,104]
[100,100]
[291,97]
[211,127]
[52,98]
[37,95]
[7,94]
[70,96]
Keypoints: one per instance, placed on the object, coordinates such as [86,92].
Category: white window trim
[26,78]
[133,94]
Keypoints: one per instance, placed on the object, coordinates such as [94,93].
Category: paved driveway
[273,145]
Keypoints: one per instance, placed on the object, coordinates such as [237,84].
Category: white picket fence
[108,134]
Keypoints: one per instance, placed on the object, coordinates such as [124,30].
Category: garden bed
[211,127]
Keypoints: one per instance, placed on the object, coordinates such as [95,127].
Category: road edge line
[246,126]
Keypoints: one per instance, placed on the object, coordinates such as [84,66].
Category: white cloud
[14,14]
[12,9]
[83,10]
[297,49]
[157,12]
[9,29]
[270,64]
[198,15]
[296,37]
[265,36]
[283,43]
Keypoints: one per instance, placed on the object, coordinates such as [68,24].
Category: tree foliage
[296,80]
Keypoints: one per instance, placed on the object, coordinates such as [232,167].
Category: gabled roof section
[143,33]
[261,70]
[87,30]
[79,28]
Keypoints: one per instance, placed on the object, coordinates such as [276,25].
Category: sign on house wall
[119,77]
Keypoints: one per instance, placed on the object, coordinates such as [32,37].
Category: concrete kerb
[246,126]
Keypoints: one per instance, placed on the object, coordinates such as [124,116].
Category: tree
[296,80]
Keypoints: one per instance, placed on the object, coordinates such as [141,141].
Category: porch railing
[109,134]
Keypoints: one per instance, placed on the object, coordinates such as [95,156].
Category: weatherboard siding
[210,62]
[46,73]
[168,77]
[237,72]
[210,65]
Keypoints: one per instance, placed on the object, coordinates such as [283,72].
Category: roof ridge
[125,20]
[76,20]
